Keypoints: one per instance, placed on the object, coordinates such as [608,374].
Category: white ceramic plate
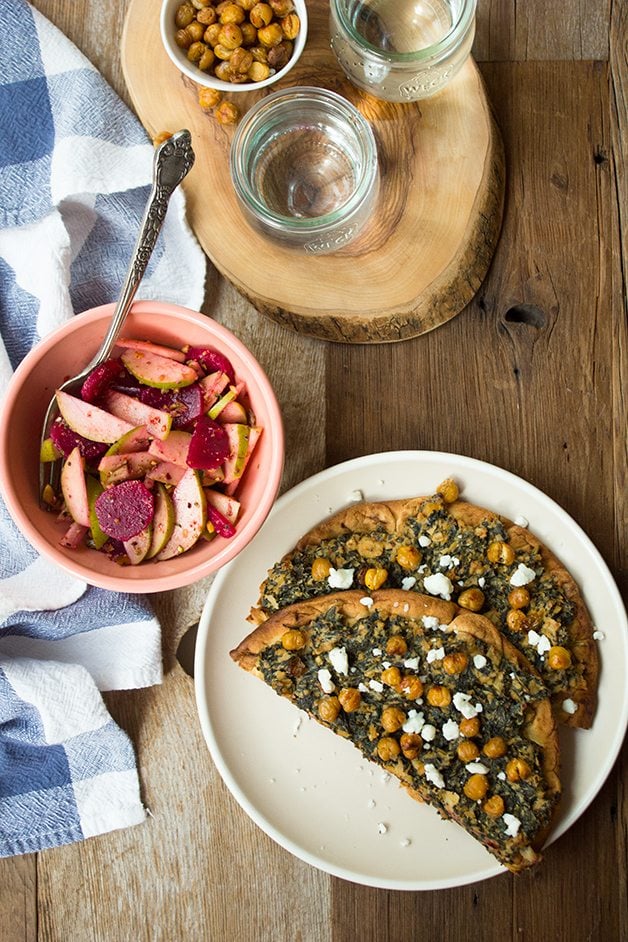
[311,791]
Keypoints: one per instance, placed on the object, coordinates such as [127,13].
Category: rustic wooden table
[528,377]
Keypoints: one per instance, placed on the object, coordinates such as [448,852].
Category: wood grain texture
[537,361]
[429,243]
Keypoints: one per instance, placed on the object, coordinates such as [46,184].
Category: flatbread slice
[456,551]
[433,694]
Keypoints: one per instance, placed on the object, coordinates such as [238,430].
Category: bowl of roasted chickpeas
[234,45]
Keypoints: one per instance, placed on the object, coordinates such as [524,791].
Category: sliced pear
[238,436]
[73,487]
[137,439]
[160,372]
[94,490]
[149,347]
[48,451]
[163,521]
[212,386]
[217,407]
[157,422]
[89,421]
[138,546]
[190,515]
[174,449]
[227,506]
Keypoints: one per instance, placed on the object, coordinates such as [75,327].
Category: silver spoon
[172,161]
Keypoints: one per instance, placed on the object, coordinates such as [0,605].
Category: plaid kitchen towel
[75,171]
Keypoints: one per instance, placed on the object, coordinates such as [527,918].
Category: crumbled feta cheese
[433,775]
[481,582]
[428,732]
[367,601]
[356,495]
[340,578]
[569,706]
[539,641]
[424,541]
[522,575]
[521,521]
[385,665]
[405,842]
[406,607]
[438,584]
[598,635]
[430,622]
[407,582]
[422,568]
[376,686]
[362,687]
[435,654]
[377,652]
[501,776]
[462,702]
[450,730]
[445,562]
[412,663]
[512,824]
[339,660]
[414,723]
[324,679]
[381,828]
[479,661]
[477,768]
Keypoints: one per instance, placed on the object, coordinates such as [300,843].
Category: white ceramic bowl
[180,59]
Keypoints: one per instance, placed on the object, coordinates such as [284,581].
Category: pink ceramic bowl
[64,353]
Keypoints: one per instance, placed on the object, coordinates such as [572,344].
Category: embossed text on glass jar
[402,50]
[304,168]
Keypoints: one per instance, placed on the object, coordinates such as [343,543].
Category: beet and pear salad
[153,452]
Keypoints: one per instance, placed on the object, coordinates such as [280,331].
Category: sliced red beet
[220,523]
[100,379]
[212,361]
[66,441]
[184,405]
[124,510]
[209,445]
[126,383]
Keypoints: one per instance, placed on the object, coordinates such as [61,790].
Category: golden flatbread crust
[518,852]
[393,517]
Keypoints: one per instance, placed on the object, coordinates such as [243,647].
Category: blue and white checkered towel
[75,169]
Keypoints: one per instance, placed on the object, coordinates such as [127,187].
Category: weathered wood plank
[18,899]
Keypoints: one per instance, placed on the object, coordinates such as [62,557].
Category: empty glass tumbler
[402,50]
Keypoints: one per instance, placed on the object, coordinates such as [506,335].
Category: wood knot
[528,314]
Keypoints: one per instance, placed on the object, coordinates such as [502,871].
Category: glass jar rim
[310,225]
[458,29]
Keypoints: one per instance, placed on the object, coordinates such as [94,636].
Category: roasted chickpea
[370,548]
[260,54]
[290,26]
[232,13]
[438,696]
[249,34]
[428,507]
[471,599]
[278,56]
[517,769]
[392,719]
[222,6]
[207,59]
[375,578]
[411,744]
[519,597]
[184,15]
[196,30]
[230,36]
[270,35]
[408,557]
[281,7]
[350,699]
[223,72]
[227,112]
[455,663]
[246,4]
[223,53]
[200,4]
[469,727]
[396,644]
[261,15]
[207,16]
[558,658]
[183,38]
[494,806]
[241,60]
[467,751]
[321,567]
[411,687]
[495,747]
[258,72]
[293,640]
[391,676]
[476,786]
[516,620]
[212,33]
[328,707]
[388,748]
[209,97]
[195,51]
[448,490]
[157,140]
[500,552]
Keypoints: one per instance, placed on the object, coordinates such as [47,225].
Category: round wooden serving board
[430,242]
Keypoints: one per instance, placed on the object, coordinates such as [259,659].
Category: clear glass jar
[402,50]
[304,168]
